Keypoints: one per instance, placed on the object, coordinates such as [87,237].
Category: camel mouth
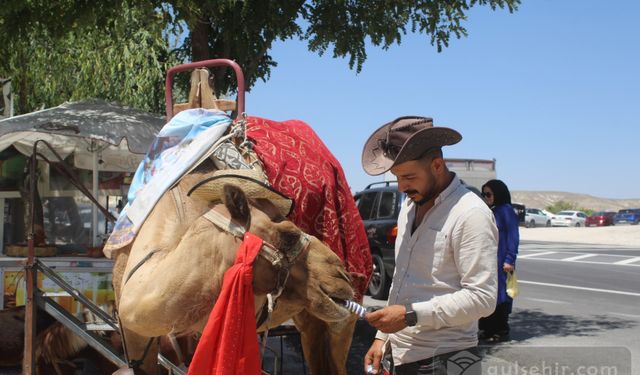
[341,304]
[331,304]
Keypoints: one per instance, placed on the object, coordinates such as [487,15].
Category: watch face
[410,318]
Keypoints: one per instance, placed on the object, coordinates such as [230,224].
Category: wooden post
[31,279]
[201,94]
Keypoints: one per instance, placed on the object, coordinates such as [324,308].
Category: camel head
[312,275]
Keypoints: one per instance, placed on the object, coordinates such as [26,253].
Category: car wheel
[379,284]
[548,223]
[577,225]
[532,224]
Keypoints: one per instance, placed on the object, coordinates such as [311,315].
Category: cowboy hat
[252,182]
[403,139]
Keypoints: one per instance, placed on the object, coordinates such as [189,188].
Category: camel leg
[325,344]
[136,346]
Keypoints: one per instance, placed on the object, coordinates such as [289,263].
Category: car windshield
[565,213]
[598,214]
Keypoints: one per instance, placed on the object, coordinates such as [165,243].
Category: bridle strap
[271,254]
[225,223]
[268,251]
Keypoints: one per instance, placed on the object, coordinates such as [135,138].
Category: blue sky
[552,92]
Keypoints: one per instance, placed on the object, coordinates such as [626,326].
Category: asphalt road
[581,302]
[578,312]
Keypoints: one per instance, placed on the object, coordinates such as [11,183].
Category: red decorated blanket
[299,165]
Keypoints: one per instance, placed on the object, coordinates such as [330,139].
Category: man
[446,276]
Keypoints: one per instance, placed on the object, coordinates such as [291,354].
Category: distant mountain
[543,199]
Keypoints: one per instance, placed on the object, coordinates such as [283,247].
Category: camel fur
[175,289]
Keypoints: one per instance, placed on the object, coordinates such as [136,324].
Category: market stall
[101,145]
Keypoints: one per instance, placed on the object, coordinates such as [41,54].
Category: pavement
[619,235]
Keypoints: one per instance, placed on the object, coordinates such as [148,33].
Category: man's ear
[437,165]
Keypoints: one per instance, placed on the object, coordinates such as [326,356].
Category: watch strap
[410,317]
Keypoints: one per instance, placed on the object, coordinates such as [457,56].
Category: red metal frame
[168,89]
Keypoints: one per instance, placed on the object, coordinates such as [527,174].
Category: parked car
[569,218]
[474,189]
[627,216]
[549,214]
[534,217]
[521,212]
[600,219]
[379,206]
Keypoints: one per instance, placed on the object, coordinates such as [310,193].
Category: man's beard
[429,194]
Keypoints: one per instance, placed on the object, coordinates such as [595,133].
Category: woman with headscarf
[495,328]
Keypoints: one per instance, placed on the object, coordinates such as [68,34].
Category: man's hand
[373,357]
[506,267]
[389,319]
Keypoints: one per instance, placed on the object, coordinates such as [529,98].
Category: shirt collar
[453,186]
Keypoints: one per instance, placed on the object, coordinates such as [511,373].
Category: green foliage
[384,23]
[124,61]
[562,206]
[120,49]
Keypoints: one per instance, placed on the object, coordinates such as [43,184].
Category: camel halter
[276,257]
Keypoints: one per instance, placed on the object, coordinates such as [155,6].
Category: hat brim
[375,162]
[212,189]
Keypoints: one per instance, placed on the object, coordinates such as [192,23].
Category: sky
[551,92]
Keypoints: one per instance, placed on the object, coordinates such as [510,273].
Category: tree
[561,206]
[567,206]
[120,49]
[122,58]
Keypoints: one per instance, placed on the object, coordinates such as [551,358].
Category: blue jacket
[508,240]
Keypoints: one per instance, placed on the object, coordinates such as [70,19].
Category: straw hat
[403,139]
[252,182]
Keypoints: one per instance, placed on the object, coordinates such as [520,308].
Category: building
[474,172]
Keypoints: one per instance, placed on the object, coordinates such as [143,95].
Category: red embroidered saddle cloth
[300,166]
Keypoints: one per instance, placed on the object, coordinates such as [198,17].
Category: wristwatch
[410,317]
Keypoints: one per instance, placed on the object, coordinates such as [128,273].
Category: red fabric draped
[300,166]
[229,344]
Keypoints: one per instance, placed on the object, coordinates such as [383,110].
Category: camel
[168,279]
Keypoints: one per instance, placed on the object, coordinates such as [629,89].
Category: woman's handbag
[512,284]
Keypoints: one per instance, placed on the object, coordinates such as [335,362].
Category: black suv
[379,205]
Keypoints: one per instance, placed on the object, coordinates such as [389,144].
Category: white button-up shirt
[447,271]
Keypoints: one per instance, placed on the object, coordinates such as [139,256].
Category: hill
[543,199]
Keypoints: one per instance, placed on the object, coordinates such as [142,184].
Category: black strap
[146,258]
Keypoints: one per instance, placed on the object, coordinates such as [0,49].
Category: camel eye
[288,239]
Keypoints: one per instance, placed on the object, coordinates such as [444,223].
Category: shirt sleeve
[382,336]
[513,237]
[475,243]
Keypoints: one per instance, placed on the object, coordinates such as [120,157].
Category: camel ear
[236,202]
